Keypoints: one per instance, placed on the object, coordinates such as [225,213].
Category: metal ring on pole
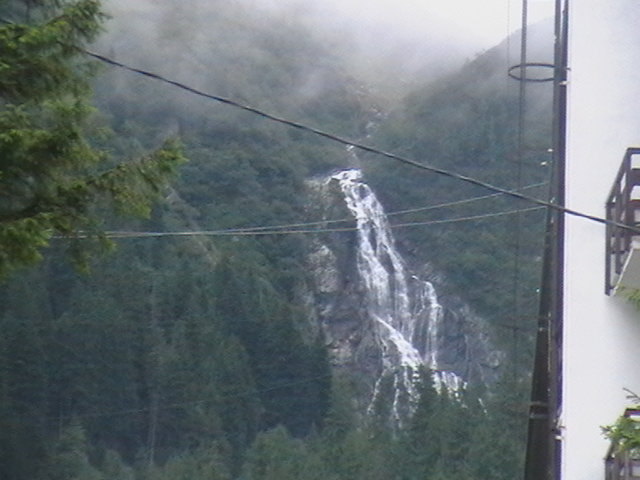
[521,66]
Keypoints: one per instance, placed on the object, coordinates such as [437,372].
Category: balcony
[622,466]
[623,458]
[622,268]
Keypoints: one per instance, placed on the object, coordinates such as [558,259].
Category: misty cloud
[385,43]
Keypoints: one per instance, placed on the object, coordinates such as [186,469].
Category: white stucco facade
[601,354]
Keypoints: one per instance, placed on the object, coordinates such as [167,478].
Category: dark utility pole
[544,445]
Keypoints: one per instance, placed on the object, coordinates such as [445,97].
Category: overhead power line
[459,202]
[469,218]
[348,142]
[289,227]
[291,230]
[358,145]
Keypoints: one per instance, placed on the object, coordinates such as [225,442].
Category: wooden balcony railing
[623,207]
[622,467]
[623,458]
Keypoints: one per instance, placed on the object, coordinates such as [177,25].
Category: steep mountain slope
[207,356]
[468,123]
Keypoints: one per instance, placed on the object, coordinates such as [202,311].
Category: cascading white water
[404,309]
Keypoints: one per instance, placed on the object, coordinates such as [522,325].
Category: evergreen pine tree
[50,175]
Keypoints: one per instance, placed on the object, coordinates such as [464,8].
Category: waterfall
[403,309]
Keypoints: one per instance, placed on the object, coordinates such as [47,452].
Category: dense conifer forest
[194,357]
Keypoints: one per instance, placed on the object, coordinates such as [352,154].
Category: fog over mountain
[291,309]
[390,45]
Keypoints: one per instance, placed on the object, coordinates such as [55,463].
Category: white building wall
[602,334]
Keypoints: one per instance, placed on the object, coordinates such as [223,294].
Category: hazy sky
[483,20]
[418,35]
[482,23]
[387,42]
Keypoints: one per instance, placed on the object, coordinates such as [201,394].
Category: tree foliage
[195,357]
[51,177]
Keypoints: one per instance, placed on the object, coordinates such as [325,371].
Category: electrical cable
[465,219]
[361,146]
[460,202]
[275,231]
[352,143]
[271,228]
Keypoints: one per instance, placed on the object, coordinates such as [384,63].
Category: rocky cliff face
[380,315]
